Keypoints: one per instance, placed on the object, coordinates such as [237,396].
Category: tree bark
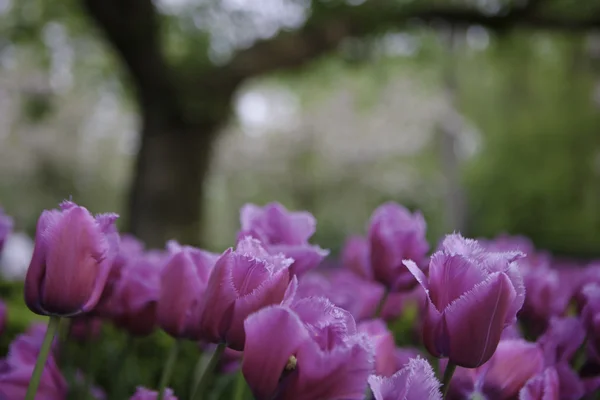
[167,191]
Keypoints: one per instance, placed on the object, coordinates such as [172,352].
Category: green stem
[123,361]
[580,356]
[240,386]
[207,372]
[382,302]
[53,323]
[168,371]
[450,368]
[89,371]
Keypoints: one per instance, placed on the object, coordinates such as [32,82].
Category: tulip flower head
[591,314]
[242,282]
[416,381]
[396,235]
[184,280]
[283,231]
[71,260]
[307,350]
[472,295]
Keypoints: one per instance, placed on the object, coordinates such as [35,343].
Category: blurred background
[484,114]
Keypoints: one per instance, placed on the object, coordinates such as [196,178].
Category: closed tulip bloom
[356,256]
[16,370]
[416,381]
[384,345]
[515,362]
[544,386]
[396,235]
[71,261]
[6,226]
[242,282]
[472,295]
[283,231]
[184,279]
[135,295]
[307,351]
[146,394]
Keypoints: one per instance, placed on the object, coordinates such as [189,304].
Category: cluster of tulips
[292,331]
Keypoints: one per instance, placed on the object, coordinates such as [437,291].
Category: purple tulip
[356,256]
[562,339]
[242,282]
[6,227]
[502,377]
[135,295]
[345,290]
[544,386]
[184,279]
[396,235]
[283,231]
[591,314]
[416,381]
[71,260]
[384,345]
[16,370]
[146,394]
[472,296]
[305,351]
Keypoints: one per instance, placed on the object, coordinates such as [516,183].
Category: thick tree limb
[319,36]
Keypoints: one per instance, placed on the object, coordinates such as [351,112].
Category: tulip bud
[136,293]
[396,235]
[283,231]
[416,381]
[146,394]
[472,295]
[242,282]
[6,226]
[184,279]
[71,261]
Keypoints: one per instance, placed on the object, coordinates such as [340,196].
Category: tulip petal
[338,374]
[273,334]
[544,386]
[328,324]
[452,276]
[475,320]
[514,363]
[416,381]
[179,290]
[306,257]
[219,300]
[270,291]
[355,256]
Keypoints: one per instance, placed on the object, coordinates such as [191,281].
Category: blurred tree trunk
[167,190]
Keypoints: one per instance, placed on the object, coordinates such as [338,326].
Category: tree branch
[325,31]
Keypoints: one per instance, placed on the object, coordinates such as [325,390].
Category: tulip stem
[89,377]
[207,372]
[168,371]
[450,368]
[382,302]
[34,383]
[240,386]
